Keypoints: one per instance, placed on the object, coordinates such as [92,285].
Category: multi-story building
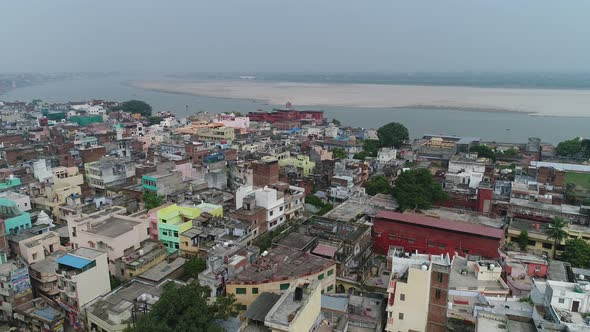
[417,232]
[33,247]
[133,264]
[173,220]
[110,231]
[83,275]
[408,306]
[277,270]
[15,287]
[23,201]
[301,162]
[265,171]
[109,171]
[43,277]
[285,115]
[165,181]
[15,220]
[216,134]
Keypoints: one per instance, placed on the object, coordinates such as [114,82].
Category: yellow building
[217,133]
[277,271]
[300,161]
[539,243]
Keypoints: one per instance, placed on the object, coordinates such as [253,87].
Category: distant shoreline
[536,102]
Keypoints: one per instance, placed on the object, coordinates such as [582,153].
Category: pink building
[229,120]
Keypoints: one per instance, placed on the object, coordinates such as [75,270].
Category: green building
[85,120]
[15,220]
[174,219]
[9,183]
[301,161]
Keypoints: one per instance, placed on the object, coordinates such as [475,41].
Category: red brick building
[434,236]
[286,115]
[265,172]
[437,306]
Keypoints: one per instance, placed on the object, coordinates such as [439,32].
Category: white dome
[44,219]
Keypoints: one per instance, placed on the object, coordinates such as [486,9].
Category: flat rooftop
[87,253]
[281,263]
[469,280]
[162,270]
[464,216]
[113,227]
[286,306]
[122,299]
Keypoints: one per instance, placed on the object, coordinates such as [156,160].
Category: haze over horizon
[298,36]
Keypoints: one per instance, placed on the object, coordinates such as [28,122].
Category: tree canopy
[339,153]
[185,308]
[152,200]
[572,148]
[133,107]
[194,266]
[523,240]
[393,134]
[555,231]
[378,185]
[577,253]
[417,188]
[483,151]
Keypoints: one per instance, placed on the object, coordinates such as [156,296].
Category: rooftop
[464,276]
[440,223]
[163,270]
[113,227]
[261,306]
[281,263]
[287,308]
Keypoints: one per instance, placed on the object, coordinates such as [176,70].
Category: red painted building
[289,115]
[434,236]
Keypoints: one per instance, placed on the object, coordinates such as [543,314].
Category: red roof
[325,250]
[451,225]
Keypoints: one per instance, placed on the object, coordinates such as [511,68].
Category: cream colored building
[292,313]
[409,291]
[34,248]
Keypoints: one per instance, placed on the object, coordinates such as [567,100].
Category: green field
[582,181]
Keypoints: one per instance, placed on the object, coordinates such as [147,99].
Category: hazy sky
[297,35]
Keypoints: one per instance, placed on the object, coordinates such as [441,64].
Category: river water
[501,127]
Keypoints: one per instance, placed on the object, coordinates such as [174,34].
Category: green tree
[393,134]
[378,185]
[511,153]
[194,266]
[577,253]
[155,120]
[185,308]
[570,148]
[417,188]
[361,155]
[523,240]
[152,200]
[133,107]
[371,147]
[555,231]
[339,153]
[483,151]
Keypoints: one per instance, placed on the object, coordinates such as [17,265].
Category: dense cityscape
[114,213]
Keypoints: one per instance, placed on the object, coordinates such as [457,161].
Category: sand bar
[543,102]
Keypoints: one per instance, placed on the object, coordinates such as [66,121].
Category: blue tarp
[73,261]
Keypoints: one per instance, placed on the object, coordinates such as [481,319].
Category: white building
[385,155]
[23,201]
[83,275]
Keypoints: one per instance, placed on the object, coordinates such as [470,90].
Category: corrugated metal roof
[73,261]
[451,225]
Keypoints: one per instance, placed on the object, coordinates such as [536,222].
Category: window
[401,316]
[547,246]
[391,236]
[271,213]
[430,244]
[437,294]
[175,233]
[561,300]
[466,251]
[51,248]
[440,277]
[321,276]
[240,291]
[532,243]
[377,234]
[165,232]
[402,297]
[35,256]
[255,290]
[148,231]
[330,288]
[411,241]
[330,272]
[442,246]
[537,268]
[284,286]
[281,208]
[176,246]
